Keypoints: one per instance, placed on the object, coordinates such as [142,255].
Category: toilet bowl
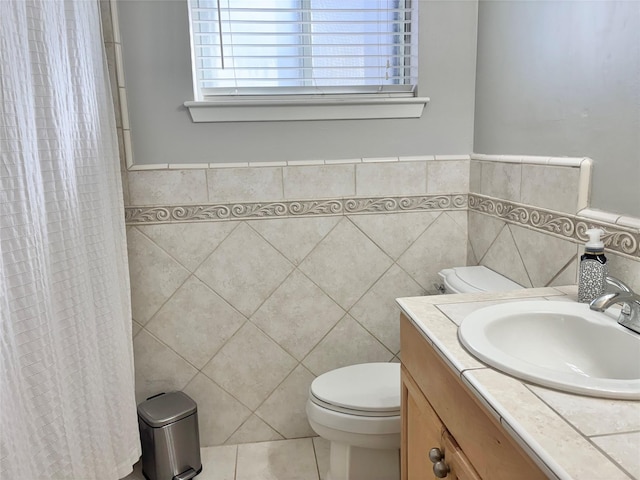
[357,408]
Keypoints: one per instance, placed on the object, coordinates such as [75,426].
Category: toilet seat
[368,390]
[352,411]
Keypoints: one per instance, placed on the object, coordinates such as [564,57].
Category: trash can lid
[166,408]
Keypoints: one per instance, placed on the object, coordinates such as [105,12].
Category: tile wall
[249,282]
[243,300]
[528,217]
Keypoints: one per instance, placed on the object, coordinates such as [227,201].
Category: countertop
[569,436]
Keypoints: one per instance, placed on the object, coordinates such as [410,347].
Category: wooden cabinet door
[421,431]
[459,465]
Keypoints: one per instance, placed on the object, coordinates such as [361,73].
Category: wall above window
[158,70]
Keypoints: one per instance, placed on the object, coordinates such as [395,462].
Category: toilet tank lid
[477,279]
[373,387]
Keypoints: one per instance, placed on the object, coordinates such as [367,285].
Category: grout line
[355,179]
[524,265]
[613,434]
[426,177]
[315,454]
[491,244]
[206,185]
[519,200]
[174,260]
[268,296]
[575,429]
[562,270]
[235,469]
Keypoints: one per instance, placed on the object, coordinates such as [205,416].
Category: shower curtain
[67,405]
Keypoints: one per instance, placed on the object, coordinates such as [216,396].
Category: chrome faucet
[630,314]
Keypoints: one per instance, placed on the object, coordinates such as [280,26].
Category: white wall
[563,78]
[156,53]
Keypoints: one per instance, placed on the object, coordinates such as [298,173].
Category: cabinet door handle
[441,469]
[435,455]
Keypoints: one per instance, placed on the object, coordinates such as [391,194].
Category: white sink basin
[563,345]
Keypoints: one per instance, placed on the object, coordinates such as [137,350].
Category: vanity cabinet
[439,412]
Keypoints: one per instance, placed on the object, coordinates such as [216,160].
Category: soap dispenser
[593,268]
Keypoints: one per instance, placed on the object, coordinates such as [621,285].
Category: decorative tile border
[625,241]
[301,208]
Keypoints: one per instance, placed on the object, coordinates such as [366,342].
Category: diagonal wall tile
[244,269]
[347,344]
[219,414]
[135,328]
[297,315]
[189,243]
[195,322]
[285,409]
[345,264]
[503,257]
[394,233]
[483,230]
[158,368]
[250,366]
[442,245]
[377,310]
[155,276]
[254,429]
[295,237]
[471,256]
[543,255]
[568,276]
[460,217]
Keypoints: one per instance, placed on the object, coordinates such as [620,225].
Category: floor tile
[218,463]
[299,459]
[322,447]
[281,460]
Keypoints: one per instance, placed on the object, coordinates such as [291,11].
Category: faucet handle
[619,284]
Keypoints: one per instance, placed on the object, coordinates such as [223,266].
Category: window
[288,54]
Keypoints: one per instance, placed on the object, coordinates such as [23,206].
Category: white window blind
[304,47]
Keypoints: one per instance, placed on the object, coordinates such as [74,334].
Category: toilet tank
[475,279]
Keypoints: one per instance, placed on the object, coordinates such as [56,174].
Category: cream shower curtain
[67,406]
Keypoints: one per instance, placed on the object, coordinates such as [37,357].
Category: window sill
[307,109]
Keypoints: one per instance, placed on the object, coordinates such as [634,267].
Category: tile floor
[299,459]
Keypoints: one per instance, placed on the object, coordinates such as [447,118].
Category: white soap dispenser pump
[593,268]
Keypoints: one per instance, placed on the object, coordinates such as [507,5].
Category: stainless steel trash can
[168,426]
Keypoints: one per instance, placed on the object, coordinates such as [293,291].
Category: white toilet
[357,408]
[475,280]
